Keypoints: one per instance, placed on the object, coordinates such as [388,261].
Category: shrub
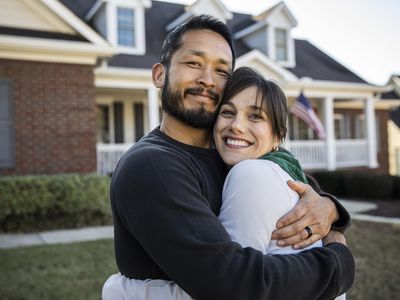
[359,185]
[32,203]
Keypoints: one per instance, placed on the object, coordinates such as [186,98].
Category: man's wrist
[344,221]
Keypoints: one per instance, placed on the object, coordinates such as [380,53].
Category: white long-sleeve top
[255,197]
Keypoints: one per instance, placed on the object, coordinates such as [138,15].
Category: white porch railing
[312,154]
[108,156]
[351,153]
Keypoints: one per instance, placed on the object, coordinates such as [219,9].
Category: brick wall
[55,118]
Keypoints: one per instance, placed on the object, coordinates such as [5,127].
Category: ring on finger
[309,231]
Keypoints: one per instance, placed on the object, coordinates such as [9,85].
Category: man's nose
[206,78]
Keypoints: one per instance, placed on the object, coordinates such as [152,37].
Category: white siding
[31,15]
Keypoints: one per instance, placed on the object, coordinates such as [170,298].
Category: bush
[32,203]
[359,185]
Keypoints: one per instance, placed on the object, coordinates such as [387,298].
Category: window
[6,126]
[360,127]
[103,124]
[139,120]
[299,130]
[126,27]
[342,126]
[281,44]
[118,122]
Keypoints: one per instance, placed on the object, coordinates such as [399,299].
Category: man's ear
[158,75]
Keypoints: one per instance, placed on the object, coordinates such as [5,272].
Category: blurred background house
[76,89]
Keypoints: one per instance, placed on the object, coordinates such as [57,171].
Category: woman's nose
[238,125]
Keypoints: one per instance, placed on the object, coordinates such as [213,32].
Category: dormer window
[121,22]
[281,50]
[126,27]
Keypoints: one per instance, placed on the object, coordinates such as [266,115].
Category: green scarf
[287,162]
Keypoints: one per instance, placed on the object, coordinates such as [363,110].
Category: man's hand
[334,236]
[313,211]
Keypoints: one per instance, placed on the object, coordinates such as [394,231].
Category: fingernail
[279,225]
[296,247]
[281,243]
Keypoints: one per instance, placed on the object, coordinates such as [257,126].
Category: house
[393,96]
[76,89]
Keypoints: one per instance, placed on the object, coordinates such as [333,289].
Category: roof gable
[279,15]
[32,15]
[267,67]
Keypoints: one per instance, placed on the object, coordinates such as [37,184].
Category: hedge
[34,203]
[359,185]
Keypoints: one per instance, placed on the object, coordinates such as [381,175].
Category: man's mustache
[202,91]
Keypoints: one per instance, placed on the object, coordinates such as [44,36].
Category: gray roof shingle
[310,61]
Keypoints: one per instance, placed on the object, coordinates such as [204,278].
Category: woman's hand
[312,211]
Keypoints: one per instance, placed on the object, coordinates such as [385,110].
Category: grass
[77,271]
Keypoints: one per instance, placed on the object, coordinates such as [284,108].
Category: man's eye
[223,73]
[193,64]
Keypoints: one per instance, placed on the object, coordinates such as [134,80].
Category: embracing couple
[201,205]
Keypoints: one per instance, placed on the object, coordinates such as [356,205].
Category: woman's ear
[158,75]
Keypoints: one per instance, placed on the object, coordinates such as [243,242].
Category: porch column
[152,108]
[370,125]
[330,133]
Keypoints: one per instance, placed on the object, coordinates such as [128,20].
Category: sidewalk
[355,208]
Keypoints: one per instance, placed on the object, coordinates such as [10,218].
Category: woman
[250,126]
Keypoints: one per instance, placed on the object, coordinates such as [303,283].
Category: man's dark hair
[268,93]
[173,41]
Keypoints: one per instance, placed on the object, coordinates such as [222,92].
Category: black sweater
[165,198]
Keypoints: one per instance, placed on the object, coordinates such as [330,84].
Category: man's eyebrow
[202,54]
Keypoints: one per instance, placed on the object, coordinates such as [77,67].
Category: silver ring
[309,231]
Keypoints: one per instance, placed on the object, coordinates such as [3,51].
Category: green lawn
[77,271]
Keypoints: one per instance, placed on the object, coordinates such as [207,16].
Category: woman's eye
[226,113]
[255,117]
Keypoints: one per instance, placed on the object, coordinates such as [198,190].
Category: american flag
[303,110]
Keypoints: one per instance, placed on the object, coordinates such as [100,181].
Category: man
[166,194]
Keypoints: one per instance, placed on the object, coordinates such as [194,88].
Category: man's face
[196,78]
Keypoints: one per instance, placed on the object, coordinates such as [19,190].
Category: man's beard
[200,117]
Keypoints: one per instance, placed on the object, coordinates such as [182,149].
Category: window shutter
[7,156]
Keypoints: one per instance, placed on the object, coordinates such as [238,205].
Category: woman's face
[243,130]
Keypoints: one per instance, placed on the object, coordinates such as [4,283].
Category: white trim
[182,18]
[310,83]
[93,10]
[139,26]
[123,78]
[370,121]
[227,14]
[97,5]
[330,133]
[250,29]
[25,48]
[76,23]
[267,13]
[153,108]
[258,55]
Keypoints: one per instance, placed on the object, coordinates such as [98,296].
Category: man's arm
[320,212]
[175,225]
